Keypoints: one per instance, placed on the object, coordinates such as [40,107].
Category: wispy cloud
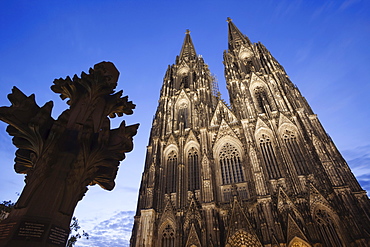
[284,8]
[364,180]
[346,4]
[320,10]
[114,232]
[359,161]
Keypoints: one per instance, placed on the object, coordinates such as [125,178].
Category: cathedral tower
[261,172]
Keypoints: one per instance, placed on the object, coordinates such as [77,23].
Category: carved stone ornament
[62,157]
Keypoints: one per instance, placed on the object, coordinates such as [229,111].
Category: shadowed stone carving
[62,157]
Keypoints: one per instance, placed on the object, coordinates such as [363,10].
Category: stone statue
[62,157]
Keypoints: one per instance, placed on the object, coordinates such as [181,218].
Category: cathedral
[261,171]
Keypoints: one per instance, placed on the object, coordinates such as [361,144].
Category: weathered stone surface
[62,157]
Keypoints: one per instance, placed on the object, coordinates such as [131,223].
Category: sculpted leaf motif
[95,89]
[61,157]
[29,125]
[106,163]
[120,106]
[101,81]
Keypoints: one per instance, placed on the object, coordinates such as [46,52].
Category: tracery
[269,156]
[262,99]
[171,172]
[168,236]
[327,228]
[230,162]
[193,170]
[294,151]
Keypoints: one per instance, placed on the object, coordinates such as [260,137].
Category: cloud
[359,161]
[346,4]
[362,151]
[320,10]
[364,181]
[284,8]
[114,232]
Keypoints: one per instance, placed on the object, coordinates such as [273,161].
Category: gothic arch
[292,141]
[192,161]
[183,76]
[191,144]
[182,110]
[167,234]
[287,126]
[169,149]
[229,156]
[328,225]
[261,94]
[228,139]
[245,53]
[265,140]
[183,70]
[298,242]
[243,239]
[171,161]
[256,82]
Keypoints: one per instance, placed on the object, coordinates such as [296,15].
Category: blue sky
[323,45]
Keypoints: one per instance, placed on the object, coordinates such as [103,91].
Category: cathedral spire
[220,169]
[187,50]
[235,37]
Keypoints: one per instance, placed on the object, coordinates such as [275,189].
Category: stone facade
[260,172]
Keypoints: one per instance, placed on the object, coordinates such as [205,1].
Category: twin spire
[235,39]
[187,49]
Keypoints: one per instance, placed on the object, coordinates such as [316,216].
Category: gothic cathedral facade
[260,172]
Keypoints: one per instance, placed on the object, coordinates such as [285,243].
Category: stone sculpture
[62,157]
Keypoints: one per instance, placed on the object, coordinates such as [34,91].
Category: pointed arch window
[327,228]
[262,99]
[168,237]
[193,170]
[290,140]
[171,173]
[184,83]
[230,163]
[183,114]
[269,157]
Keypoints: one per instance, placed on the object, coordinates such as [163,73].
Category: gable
[225,129]
[222,112]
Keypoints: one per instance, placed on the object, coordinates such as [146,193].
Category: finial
[187,31]
[229,19]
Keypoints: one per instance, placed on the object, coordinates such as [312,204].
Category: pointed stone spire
[235,37]
[187,50]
